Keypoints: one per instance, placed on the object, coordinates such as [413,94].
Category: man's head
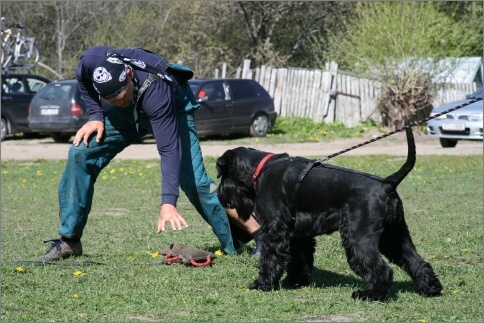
[112,79]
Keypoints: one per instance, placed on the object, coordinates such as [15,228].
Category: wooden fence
[330,95]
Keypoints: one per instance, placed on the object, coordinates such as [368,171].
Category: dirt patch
[45,148]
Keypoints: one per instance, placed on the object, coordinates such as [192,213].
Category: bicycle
[17,51]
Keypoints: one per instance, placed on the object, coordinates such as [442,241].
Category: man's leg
[198,186]
[76,186]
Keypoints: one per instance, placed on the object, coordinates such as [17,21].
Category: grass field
[442,198]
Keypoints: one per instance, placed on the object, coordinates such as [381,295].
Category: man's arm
[91,98]
[158,104]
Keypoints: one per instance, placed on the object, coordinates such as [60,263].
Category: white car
[460,124]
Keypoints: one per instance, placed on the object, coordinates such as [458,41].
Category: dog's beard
[233,196]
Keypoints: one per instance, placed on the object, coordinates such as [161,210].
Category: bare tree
[282,32]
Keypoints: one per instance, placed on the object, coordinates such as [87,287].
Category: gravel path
[45,148]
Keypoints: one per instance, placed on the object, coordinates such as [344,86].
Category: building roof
[460,70]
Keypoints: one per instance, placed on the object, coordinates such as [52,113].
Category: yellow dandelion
[20,269]
[4,171]
[39,173]
[79,273]
[218,253]
[112,171]
[155,254]
[422,320]
[454,292]
[104,177]
[75,296]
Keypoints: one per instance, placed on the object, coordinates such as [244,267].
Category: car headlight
[475,117]
[440,117]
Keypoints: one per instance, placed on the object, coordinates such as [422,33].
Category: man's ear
[129,73]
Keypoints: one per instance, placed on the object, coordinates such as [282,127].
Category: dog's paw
[367,296]
[259,286]
[431,293]
[254,285]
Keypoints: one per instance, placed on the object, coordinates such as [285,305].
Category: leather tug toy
[187,255]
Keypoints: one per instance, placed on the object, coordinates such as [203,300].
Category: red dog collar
[259,167]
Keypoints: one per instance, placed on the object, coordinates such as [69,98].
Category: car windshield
[475,95]
[35,85]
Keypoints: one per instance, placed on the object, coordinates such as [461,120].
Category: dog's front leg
[274,239]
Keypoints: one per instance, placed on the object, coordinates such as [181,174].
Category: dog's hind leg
[363,255]
[396,244]
[301,262]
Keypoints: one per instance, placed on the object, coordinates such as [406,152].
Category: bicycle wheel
[5,56]
[33,57]
[27,55]
[2,56]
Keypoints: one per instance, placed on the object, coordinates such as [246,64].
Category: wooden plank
[278,90]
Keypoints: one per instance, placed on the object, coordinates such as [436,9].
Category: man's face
[124,98]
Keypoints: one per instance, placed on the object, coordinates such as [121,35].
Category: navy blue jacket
[158,102]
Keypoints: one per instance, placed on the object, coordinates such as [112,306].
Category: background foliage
[204,34]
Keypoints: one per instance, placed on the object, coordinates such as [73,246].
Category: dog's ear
[223,162]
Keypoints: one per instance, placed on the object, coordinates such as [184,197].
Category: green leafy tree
[401,43]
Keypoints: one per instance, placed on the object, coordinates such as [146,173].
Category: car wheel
[259,126]
[4,129]
[61,137]
[448,143]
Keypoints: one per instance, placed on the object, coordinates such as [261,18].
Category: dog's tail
[397,177]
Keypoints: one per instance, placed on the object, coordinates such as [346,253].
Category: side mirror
[204,99]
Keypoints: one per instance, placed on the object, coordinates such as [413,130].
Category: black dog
[293,208]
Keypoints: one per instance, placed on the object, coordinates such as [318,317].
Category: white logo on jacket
[138,63]
[114,60]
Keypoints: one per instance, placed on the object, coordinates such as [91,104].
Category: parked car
[58,109]
[460,124]
[232,106]
[17,92]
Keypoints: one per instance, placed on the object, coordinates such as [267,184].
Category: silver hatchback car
[460,124]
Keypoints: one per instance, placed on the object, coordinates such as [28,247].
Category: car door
[215,114]
[246,102]
[15,102]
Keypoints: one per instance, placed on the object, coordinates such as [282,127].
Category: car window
[242,89]
[55,92]
[214,92]
[35,84]
[13,85]
[475,95]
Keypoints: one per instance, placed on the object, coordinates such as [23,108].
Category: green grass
[294,130]
[443,201]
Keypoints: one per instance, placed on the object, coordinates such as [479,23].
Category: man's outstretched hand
[169,213]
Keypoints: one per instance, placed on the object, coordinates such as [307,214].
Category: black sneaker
[61,249]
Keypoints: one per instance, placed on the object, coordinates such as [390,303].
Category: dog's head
[235,168]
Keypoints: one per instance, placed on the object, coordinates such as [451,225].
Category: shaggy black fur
[366,209]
